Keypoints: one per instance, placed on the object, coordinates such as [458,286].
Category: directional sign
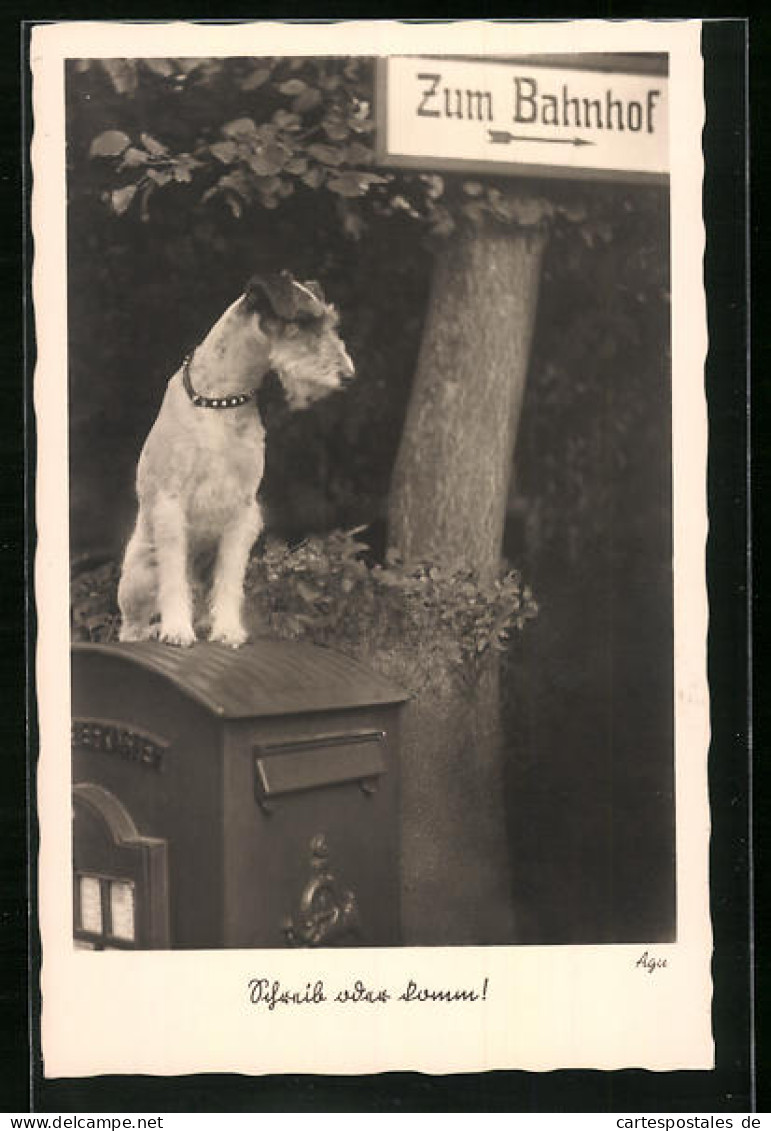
[523,118]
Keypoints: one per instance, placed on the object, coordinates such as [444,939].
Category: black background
[724,1090]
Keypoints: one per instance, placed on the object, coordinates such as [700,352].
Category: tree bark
[447,504]
[450,480]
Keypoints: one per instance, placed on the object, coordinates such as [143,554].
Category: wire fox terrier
[203,461]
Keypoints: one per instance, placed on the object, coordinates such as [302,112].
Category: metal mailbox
[233,799]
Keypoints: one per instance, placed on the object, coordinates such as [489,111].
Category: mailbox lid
[264,678]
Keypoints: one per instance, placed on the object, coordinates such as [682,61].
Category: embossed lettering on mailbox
[114,738]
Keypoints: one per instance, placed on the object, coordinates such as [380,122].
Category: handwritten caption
[271,993]
[650,962]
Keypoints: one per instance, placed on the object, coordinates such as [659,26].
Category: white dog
[203,460]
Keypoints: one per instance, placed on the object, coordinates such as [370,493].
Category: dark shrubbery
[329,591]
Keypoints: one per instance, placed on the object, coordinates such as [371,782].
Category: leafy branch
[271,128]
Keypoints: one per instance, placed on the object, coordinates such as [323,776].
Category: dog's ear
[274,295]
[283,297]
[315,290]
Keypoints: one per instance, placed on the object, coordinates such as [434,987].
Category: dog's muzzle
[347,373]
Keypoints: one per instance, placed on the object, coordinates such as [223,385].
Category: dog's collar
[233,400]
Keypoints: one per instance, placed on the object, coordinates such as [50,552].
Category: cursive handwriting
[271,993]
[649,962]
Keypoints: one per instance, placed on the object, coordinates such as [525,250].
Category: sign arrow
[503,137]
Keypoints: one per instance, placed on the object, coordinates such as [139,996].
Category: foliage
[325,590]
[253,132]
[328,590]
[94,612]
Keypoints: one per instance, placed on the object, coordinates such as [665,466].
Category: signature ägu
[650,962]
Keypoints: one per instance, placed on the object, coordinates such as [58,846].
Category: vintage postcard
[370,571]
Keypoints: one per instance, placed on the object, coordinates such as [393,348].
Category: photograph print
[370,481]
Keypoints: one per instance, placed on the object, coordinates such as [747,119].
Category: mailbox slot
[289,767]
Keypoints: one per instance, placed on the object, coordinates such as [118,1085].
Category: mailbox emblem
[327,911]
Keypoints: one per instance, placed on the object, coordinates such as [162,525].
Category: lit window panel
[122,912]
[91,905]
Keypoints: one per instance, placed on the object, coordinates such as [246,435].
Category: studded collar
[232,400]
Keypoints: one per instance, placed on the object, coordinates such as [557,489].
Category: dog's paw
[178,637]
[232,637]
[130,633]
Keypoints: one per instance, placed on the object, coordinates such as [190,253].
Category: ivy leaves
[324,590]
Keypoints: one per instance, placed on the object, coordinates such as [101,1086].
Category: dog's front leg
[238,537]
[175,598]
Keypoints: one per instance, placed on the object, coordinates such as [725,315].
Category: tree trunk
[447,504]
[449,487]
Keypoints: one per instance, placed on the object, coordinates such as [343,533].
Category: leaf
[354,183]
[154,147]
[111,143]
[121,199]
[362,125]
[269,184]
[286,120]
[182,172]
[292,87]
[336,131]
[473,188]
[358,154]
[238,182]
[347,184]
[160,176]
[296,164]
[256,79]
[314,177]
[327,154]
[224,151]
[267,160]
[240,128]
[134,157]
[308,100]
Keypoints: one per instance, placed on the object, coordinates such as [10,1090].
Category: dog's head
[306,350]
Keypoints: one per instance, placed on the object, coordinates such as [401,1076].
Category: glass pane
[91,904]
[122,910]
